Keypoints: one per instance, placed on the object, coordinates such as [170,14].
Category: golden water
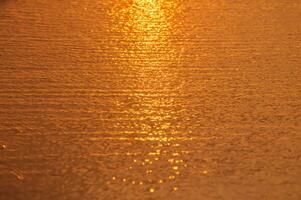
[150,99]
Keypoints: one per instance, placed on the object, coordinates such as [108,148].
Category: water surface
[146,99]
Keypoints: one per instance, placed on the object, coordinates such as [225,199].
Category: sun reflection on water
[146,26]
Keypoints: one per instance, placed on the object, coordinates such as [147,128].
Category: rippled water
[150,99]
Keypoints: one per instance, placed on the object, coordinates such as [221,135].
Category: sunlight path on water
[146,26]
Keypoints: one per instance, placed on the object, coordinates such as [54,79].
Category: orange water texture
[150,99]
